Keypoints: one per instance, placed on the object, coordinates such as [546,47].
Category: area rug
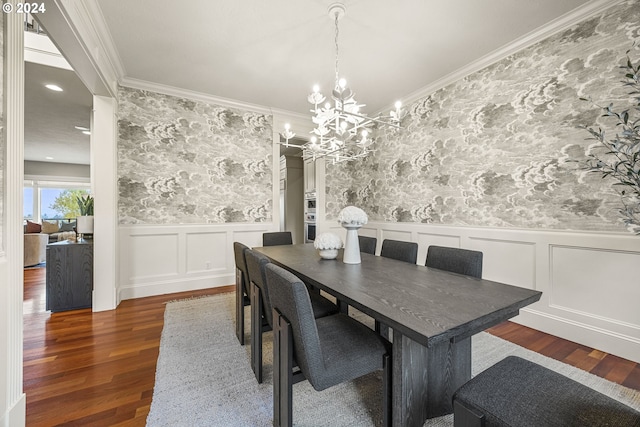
[204,378]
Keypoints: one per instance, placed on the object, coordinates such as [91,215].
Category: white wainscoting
[162,259]
[590,281]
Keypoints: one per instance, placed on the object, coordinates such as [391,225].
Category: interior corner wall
[498,147]
[487,163]
[193,177]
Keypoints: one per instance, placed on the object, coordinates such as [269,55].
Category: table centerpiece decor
[327,245]
[352,218]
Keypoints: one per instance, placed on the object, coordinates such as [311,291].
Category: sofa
[37,236]
[56,229]
[35,248]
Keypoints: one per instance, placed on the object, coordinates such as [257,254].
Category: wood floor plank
[100,367]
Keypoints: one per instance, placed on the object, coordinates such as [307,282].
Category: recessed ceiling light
[81,128]
[86,132]
[49,158]
[54,88]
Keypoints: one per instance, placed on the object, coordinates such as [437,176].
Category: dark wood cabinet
[69,275]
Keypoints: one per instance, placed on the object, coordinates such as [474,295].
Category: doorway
[57,149]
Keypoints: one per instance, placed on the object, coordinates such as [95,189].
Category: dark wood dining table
[432,314]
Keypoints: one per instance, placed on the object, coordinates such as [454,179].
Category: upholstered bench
[517,392]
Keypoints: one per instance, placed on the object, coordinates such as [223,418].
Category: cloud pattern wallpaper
[496,147]
[182,161]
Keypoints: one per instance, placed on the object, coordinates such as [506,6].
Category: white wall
[12,397]
[162,259]
[589,281]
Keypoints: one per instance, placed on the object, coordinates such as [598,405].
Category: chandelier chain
[341,131]
[336,42]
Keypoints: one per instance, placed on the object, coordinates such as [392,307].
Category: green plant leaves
[85,204]
[619,158]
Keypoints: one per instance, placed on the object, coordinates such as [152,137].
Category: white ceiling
[270,53]
[50,117]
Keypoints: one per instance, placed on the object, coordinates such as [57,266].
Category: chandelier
[342,132]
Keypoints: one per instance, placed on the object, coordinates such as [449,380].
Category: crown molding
[193,95]
[89,28]
[101,30]
[561,23]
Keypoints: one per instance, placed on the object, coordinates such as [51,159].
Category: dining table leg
[239,307]
[425,378]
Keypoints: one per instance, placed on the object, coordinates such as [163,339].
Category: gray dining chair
[242,288]
[261,309]
[277,238]
[368,244]
[328,351]
[455,260]
[402,251]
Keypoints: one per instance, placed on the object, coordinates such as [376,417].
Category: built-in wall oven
[310,203]
[309,217]
[309,231]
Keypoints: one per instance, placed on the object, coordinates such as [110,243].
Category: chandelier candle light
[342,132]
[352,218]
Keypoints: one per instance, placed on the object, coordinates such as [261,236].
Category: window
[27,206]
[52,200]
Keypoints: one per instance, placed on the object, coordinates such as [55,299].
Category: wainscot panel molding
[160,259]
[589,280]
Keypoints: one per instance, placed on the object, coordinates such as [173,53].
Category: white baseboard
[172,286]
[625,346]
[16,414]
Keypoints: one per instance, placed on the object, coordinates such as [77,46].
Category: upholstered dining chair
[368,244]
[261,309]
[402,251]
[242,288]
[328,351]
[277,238]
[455,260]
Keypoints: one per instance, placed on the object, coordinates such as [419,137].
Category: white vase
[352,245]
[328,253]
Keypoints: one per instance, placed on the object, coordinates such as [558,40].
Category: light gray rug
[204,378]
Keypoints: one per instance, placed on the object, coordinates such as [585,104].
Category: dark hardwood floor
[83,368]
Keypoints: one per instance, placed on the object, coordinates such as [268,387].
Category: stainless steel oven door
[309,232]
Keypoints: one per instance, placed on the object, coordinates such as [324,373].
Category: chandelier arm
[327,152]
[371,119]
[289,145]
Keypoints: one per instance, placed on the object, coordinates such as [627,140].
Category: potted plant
[618,153]
[84,223]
